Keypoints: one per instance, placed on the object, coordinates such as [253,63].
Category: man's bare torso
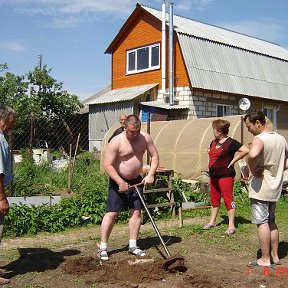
[129,161]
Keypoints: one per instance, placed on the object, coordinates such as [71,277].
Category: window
[270,113]
[143,59]
[223,110]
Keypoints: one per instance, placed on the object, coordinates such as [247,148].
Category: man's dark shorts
[117,202]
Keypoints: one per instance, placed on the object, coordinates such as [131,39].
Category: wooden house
[213,68]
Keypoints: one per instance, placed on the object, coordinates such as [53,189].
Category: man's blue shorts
[117,202]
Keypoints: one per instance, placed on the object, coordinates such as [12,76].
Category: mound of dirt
[121,271]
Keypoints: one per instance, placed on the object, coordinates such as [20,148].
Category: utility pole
[40,61]
[171,55]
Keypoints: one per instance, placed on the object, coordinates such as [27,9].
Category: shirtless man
[123,163]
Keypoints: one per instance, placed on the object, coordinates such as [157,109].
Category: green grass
[245,229]
[217,235]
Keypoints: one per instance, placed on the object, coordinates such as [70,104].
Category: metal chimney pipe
[163,47]
[171,58]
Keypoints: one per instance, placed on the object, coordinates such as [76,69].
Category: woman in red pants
[222,157]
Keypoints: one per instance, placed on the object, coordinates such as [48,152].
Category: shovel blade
[174,264]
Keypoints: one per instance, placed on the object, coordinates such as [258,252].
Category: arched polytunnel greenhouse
[183,144]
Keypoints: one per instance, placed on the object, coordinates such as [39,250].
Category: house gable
[143,29]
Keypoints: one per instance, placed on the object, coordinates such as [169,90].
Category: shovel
[175,263]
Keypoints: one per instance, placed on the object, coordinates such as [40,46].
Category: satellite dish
[244,104]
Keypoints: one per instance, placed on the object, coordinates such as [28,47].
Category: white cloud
[15,46]
[268,29]
[71,7]
[68,13]
[191,5]
[66,22]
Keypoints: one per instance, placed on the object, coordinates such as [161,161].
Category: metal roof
[163,105]
[221,60]
[96,95]
[213,33]
[123,94]
[85,108]
[218,68]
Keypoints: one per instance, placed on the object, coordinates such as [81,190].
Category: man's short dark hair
[255,115]
[133,119]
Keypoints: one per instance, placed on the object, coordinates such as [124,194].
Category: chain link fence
[182,144]
[53,135]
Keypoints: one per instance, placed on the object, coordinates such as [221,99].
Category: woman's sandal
[209,226]
[230,231]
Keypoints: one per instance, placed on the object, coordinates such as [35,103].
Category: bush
[89,184]
[30,179]
[193,193]
[90,194]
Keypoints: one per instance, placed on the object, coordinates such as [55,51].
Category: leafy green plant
[56,154]
[24,219]
[193,193]
[89,185]
[240,193]
[31,179]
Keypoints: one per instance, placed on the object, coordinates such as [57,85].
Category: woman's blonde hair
[221,125]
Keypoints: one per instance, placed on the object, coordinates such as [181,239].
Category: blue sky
[72,35]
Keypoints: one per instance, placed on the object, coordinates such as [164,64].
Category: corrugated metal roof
[221,60]
[124,94]
[85,108]
[217,67]
[221,35]
[163,105]
[96,95]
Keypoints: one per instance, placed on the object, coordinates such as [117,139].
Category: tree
[37,98]
[48,100]
[13,93]
[3,67]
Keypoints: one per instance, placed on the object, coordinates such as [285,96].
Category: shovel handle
[136,185]
[151,219]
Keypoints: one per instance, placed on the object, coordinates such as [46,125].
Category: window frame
[223,106]
[150,67]
[274,115]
